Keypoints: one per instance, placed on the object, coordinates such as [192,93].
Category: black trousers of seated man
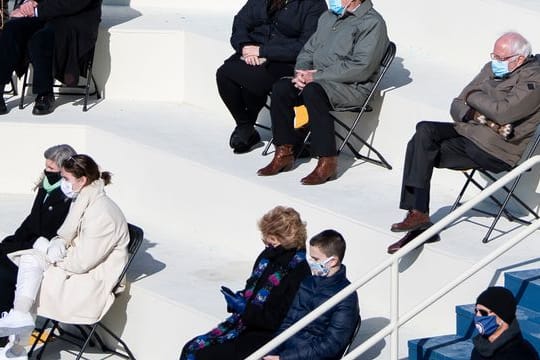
[438,145]
[284,98]
[244,88]
[30,37]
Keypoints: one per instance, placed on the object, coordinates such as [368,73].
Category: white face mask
[67,188]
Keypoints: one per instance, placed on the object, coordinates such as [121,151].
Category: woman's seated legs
[19,320]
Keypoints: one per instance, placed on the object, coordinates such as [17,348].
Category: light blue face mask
[319,269]
[499,68]
[336,7]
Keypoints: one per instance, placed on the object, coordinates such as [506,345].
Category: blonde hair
[286,225]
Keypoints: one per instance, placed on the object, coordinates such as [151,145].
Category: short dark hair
[330,242]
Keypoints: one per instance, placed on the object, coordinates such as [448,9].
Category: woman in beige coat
[71,277]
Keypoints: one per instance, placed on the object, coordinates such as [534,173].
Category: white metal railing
[392,262]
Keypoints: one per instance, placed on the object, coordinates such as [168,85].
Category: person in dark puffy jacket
[267,35]
[327,337]
[499,335]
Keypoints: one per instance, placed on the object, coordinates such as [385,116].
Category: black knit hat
[499,300]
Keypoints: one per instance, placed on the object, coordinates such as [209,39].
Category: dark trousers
[437,144]
[284,98]
[244,88]
[8,280]
[33,38]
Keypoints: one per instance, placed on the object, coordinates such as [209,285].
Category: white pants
[29,277]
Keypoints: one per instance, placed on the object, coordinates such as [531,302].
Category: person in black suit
[48,213]
[57,37]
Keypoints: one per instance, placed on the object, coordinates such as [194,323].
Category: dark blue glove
[235,302]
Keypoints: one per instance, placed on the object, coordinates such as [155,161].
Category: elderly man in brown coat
[495,117]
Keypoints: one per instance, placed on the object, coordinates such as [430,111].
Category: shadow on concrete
[144,264]
[396,77]
[369,328]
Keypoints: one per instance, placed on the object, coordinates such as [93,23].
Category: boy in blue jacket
[327,337]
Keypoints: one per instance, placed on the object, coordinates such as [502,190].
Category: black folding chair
[353,336]
[361,110]
[88,332]
[509,192]
[71,90]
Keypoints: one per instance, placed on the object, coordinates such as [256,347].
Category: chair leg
[130,354]
[38,338]
[510,194]
[23,90]
[462,192]
[87,341]
[381,161]
[42,350]
[267,147]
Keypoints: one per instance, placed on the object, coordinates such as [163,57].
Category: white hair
[518,44]
[59,153]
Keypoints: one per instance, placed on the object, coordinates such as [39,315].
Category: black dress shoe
[44,104]
[242,143]
[3,107]
[410,236]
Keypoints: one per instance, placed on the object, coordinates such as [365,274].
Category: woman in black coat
[258,309]
[48,213]
[267,36]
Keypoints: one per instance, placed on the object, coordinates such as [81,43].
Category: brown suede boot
[283,161]
[325,170]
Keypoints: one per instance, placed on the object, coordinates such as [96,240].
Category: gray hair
[59,153]
[518,44]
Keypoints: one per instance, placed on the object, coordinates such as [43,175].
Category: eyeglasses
[499,58]
[482,312]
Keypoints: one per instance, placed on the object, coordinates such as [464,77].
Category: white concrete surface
[163,132]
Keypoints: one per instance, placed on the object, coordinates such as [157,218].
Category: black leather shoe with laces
[44,104]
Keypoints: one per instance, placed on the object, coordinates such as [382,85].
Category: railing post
[394,309]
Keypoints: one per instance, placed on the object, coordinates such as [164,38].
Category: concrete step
[526,287]
[446,347]
[198,203]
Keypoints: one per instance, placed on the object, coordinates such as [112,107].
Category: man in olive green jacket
[495,117]
[336,69]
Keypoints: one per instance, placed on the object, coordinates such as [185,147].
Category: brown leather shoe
[415,220]
[283,161]
[410,236]
[325,170]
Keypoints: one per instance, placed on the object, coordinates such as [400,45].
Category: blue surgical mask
[319,269]
[336,7]
[486,325]
[499,68]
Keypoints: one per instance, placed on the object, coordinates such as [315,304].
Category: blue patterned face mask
[319,269]
[336,7]
[486,325]
[499,68]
